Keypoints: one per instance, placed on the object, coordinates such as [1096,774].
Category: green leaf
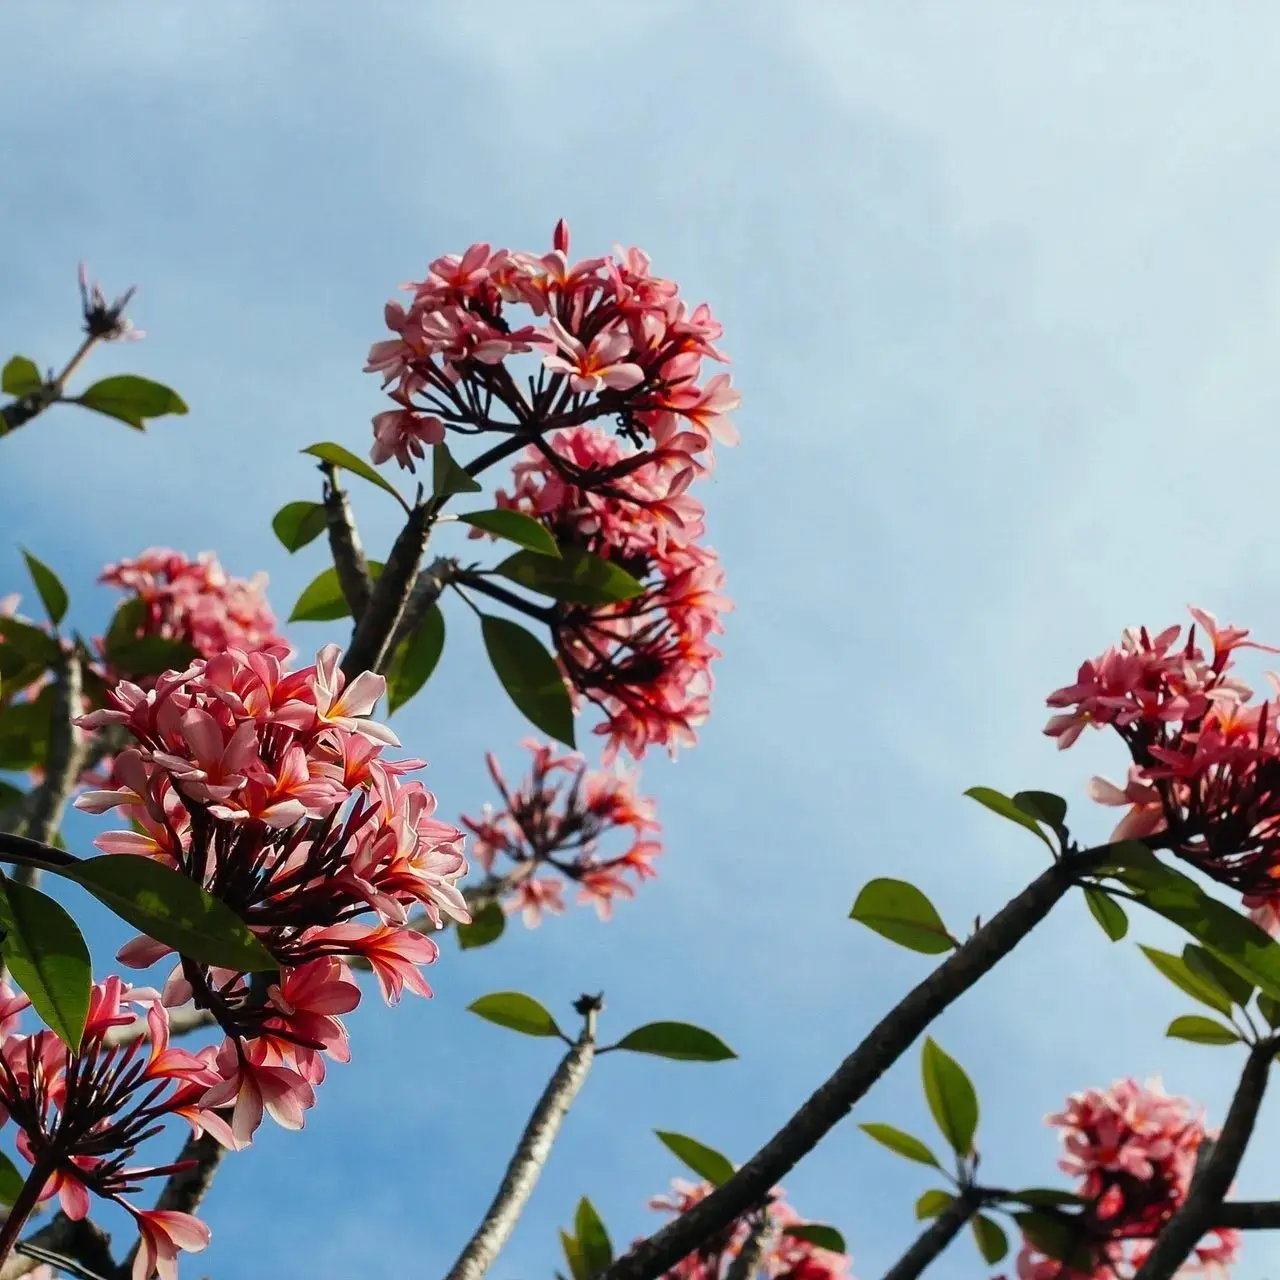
[1200,1030]
[1269,1007]
[415,659]
[517,1012]
[52,593]
[900,912]
[298,523]
[530,676]
[175,911]
[131,399]
[24,731]
[1175,969]
[992,1242]
[515,527]
[576,577]
[11,1181]
[48,958]
[900,1143]
[9,795]
[1107,912]
[1206,965]
[1006,808]
[34,645]
[593,1239]
[932,1203]
[447,477]
[573,1256]
[322,599]
[337,456]
[1056,1238]
[487,925]
[151,655]
[20,377]
[679,1040]
[125,624]
[703,1160]
[1045,807]
[951,1097]
[818,1234]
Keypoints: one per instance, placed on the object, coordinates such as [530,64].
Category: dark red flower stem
[27,1200]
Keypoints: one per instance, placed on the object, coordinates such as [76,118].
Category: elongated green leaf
[125,624]
[1175,969]
[1054,1237]
[151,655]
[48,958]
[1107,912]
[705,1161]
[447,477]
[166,906]
[517,1012]
[131,399]
[1204,964]
[515,527]
[677,1040]
[1234,939]
[573,1256]
[900,912]
[24,731]
[487,925]
[11,1181]
[932,1203]
[298,523]
[52,593]
[20,377]
[992,1242]
[1048,1198]
[900,1143]
[336,455]
[530,676]
[1201,1030]
[9,796]
[322,599]
[1001,804]
[415,659]
[576,577]
[33,645]
[951,1097]
[818,1234]
[1044,806]
[593,1238]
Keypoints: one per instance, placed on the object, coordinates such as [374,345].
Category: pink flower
[402,434]
[394,955]
[163,1233]
[532,896]
[591,368]
[345,706]
[250,1085]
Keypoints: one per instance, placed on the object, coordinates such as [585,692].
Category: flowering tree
[271,840]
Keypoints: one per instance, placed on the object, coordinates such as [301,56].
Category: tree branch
[531,1152]
[1203,1207]
[1249,1215]
[79,1243]
[344,544]
[371,639]
[936,1237]
[426,591]
[743,1267]
[881,1048]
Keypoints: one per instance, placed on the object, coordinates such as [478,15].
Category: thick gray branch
[426,591]
[344,544]
[67,750]
[879,1050]
[81,1243]
[1203,1207]
[531,1153]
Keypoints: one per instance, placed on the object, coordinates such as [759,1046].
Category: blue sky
[1002,287]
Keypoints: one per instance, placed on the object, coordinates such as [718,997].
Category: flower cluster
[645,662]
[195,601]
[80,1114]
[268,788]
[549,830]
[1205,774]
[616,341]
[1133,1149]
[783,1257]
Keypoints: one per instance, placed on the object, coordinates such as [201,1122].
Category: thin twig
[879,1050]
[531,1152]
[1203,1207]
[936,1237]
[747,1260]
